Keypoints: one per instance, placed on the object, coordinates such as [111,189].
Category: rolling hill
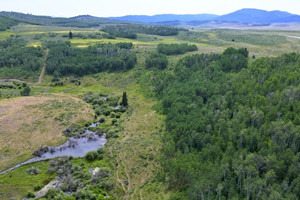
[166,18]
[83,21]
[6,23]
[259,16]
[240,16]
[244,16]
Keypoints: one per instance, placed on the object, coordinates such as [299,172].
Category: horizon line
[144,14]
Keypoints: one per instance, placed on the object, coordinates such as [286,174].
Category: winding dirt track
[44,67]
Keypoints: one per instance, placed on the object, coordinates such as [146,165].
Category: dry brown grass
[26,123]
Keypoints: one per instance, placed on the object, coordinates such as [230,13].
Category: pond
[75,147]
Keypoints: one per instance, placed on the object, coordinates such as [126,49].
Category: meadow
[259,42]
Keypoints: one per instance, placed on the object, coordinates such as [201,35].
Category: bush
[100,151]
[56,194]
[91,156]
[174,49]
[26,91]
[112,114]
[114,121]
[118,115]
[102,119]
[37,187]
[30,194]
[85,194]
[33,170]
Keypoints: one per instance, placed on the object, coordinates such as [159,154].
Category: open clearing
[26,123]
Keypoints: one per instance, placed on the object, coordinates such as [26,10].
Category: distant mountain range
[240,16]
[259,16]
[244,17]
[166,18]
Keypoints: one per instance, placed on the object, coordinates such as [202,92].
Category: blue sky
[105,8]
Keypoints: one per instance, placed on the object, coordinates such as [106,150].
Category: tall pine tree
[124,100]
[70,35]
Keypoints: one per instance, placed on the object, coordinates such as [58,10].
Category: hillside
[6,23]
[259,16]
[245,16]
[80,21]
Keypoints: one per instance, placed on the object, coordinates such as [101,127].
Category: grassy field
[136,152]
[26,123]
[16,184]
[259,42]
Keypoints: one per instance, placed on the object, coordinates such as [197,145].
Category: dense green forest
[19,61]
[157,61]
[175,49]
[63,59]
[131,30]
[232,128]
[6,23]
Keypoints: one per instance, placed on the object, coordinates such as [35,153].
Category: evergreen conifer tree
[70,35]
[124,100]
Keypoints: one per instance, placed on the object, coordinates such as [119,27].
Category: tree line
[175,49]
[131,30]
[63,59]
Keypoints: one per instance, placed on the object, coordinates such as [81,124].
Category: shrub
[112,114]
[56,194]
[26,91]
[114,121]
[91,156]
[30,194]
[85,194]
[100,151]
[37,187]
[33,170]
[118,115]
[102,119]
[174,49]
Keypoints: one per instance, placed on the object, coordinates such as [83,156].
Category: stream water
[76,147]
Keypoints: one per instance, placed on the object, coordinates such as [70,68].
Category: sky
[109,8]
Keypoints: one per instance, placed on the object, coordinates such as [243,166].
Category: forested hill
[232,128]
[80,21]
[6,23]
